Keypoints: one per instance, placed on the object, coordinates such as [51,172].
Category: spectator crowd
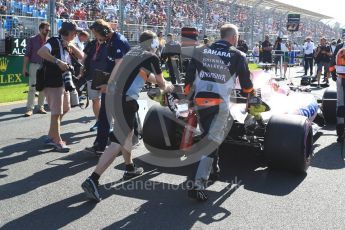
[155,13]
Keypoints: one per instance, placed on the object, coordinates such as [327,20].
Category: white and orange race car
[283,126]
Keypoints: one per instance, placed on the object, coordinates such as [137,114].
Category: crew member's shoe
[197,192]
[137,171]
[28,113]
[91,190]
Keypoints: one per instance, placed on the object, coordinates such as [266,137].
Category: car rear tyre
[288,143]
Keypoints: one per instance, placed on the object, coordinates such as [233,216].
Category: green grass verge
[10,93]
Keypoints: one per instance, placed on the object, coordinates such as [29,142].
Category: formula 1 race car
[283,131]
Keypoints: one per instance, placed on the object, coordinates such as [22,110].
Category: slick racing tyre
[288,143]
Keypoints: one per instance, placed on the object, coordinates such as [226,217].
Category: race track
[40,188]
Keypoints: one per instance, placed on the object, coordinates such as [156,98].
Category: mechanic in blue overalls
[210,79]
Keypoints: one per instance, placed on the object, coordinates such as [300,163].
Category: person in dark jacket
[266,50]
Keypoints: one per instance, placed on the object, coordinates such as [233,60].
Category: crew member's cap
[70,26]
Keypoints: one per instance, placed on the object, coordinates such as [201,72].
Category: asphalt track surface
[40,188]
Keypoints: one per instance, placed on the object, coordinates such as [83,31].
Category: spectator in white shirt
[308,56]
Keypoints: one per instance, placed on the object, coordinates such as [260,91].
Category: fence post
[204,17]
[254,7]
[232,10]
[51,17]
[122,18]
[252,26]
[2,32]
[168,30]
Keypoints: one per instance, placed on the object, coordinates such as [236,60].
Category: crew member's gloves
[334,75]
[256,107]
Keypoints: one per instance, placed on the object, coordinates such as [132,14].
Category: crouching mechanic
[337,69]
[210,78]
[139,65]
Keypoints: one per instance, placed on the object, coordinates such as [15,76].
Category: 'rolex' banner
[11,70]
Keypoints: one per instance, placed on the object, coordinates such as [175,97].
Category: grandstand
[20,18]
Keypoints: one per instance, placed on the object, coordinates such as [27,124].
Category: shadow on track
[77,162]
[166,204]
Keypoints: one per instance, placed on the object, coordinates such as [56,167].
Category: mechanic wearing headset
[139,65]
[210,78]
[337,69]
[111,48]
